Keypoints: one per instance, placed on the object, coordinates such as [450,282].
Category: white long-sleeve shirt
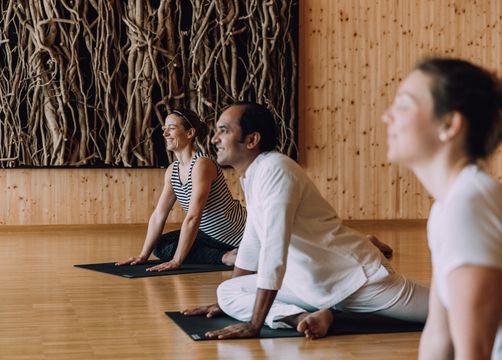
[294,238]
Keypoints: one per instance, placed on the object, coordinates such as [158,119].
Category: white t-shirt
[466,229]
[294,238]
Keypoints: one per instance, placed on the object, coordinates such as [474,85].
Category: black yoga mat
[138,271]
[344,324]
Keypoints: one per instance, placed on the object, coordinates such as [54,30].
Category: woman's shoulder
[470,221]
[203,158]
[475,189]
[204,165]
[201,155]
[169,171]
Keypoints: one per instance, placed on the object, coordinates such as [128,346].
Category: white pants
[386,294]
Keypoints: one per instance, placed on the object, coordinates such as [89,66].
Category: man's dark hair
[257,118]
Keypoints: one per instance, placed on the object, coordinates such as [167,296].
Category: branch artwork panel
[89,82]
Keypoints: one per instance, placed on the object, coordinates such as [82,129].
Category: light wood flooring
[52,310]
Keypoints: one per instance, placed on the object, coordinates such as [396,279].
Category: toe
[302,326]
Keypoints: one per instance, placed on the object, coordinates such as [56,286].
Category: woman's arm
[475,311]
[157,220]
[435,342]
[204,172]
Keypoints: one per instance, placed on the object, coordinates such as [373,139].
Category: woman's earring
[443,137]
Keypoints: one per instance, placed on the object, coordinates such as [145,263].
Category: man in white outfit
[296,261]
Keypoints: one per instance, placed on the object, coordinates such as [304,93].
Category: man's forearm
[262,305]
[263,301]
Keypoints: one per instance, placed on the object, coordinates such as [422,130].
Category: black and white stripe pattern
[223,217]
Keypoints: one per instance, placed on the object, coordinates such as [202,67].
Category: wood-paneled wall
[84,196]
[352,56]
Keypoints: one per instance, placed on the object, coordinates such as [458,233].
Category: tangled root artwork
[89,82]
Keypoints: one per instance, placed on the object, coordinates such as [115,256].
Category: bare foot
[229,257]
[315,325]
[385,249]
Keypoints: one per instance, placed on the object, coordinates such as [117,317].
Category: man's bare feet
[229,257]
[315,325]
[385,249]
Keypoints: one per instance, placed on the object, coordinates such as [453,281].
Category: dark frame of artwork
[89,83]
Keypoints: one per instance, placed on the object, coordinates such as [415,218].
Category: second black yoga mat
[138,271]
[344,324]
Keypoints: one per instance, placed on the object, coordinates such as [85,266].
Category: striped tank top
[223,218]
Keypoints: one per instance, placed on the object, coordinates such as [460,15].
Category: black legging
[205,249]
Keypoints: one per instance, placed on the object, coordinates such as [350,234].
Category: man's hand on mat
[208,310]
[385,249]
[135,260]
[170,265]
[246,330]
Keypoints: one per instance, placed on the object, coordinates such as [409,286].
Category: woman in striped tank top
[214,221]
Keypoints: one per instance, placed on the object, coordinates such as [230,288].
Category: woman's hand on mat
[170,265]
[245,330]
[135,260]
[208,310]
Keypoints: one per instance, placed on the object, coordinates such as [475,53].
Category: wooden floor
[51,310]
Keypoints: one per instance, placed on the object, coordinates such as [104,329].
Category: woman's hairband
[179,113]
